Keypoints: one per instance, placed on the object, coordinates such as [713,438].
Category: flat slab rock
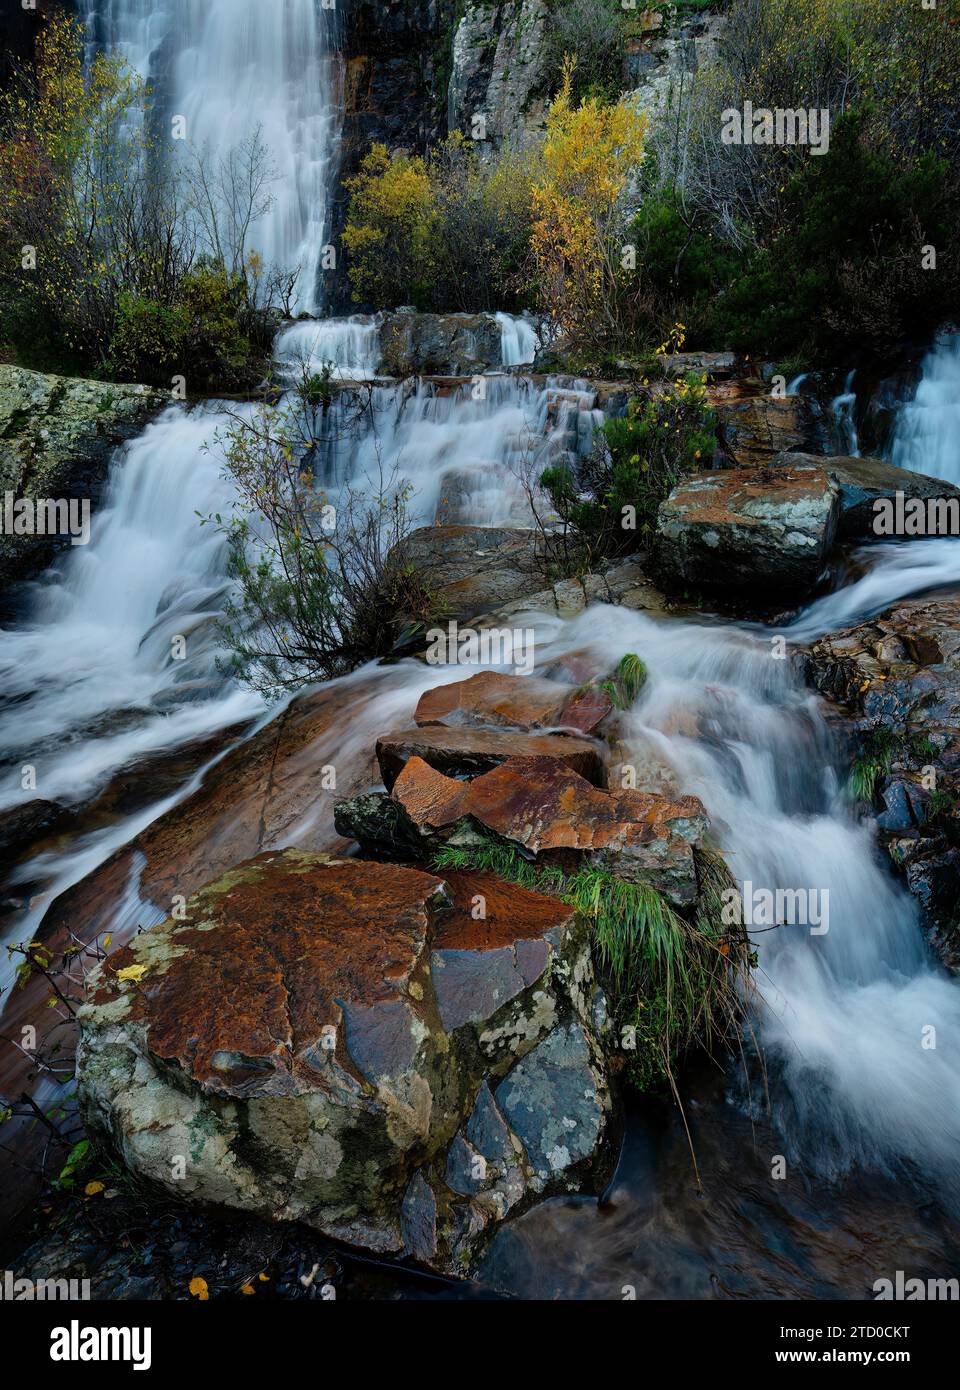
[494,700]
[312,1040]
[743,528]
[542,805]
[466,752]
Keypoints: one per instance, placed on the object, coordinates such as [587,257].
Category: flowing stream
[92,684]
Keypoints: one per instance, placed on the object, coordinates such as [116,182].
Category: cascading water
[468,451]
[94,676]
[349,347]
[230,68]
[844,408]
[518,340]
[927,437]
[92,683]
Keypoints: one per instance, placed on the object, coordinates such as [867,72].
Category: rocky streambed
[322,1022]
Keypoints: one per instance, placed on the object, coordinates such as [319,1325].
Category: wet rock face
[898,677]
[56,436]
[471,569]
[865,481]
[769,530]
[465,752]
[499,70]
[319,1039]
[414,344]
[755,426]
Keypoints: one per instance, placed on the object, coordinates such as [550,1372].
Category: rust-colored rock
[546,808]
[465,752]
[239,994]
[318,1038]
[491,699]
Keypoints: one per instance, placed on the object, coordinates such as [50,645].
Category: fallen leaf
[132,972]
[92,1188]
[198,1287]
[247,1289]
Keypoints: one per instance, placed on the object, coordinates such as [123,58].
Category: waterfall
[843,408]
[518,340]
[470,452]
[229,67]
[350,346]
[927,435]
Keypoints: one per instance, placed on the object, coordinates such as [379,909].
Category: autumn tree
[591,155]
[389,229]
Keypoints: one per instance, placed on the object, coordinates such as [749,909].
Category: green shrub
[613,497]
[147,340]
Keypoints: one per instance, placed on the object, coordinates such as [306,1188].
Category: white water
[844,414]
[927,438]
[229,67]
[350,347]
[92,679]
[840,1017]
[464,449]
[518,340]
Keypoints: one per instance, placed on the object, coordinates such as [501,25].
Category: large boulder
[897,677]
[471,569]
[769,531]
[755,426]
[56,437]
[326,1040]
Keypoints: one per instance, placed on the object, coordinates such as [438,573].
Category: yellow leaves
[590,154]
[132,972]
[247,1289]
[92,1188]
[198,1288]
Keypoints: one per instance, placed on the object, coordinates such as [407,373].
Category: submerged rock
[317,1039]
[767,530]
[465,752]
[491,699]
